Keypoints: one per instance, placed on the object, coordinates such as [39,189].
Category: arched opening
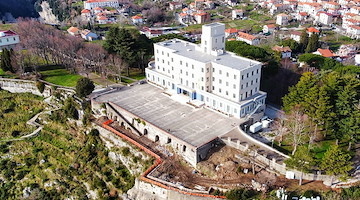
[122,125]
[184,148]
[115,118]
[169,140]
[132,122]
[129,129]
[145,131]
[156,138]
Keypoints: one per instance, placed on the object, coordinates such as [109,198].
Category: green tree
[312,60]
[313,43]
[336,162]
[294,46]
[297,93]
[121,42]
[302,160]
[304,40]
[240,194]
[6,60]
[84,87]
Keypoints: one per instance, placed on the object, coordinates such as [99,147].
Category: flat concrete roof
[189,50]
[195,126]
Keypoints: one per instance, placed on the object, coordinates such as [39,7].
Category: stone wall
[23,86]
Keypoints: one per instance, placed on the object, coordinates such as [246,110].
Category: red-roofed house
[137,19]
[312,30]
[325,52]
[103,20]
[86,14]
[324,18]
[97,10]
[269,28]
[91,4]
[295,35]
[353,31]
[237,14]
[230,32]
[8,39]
[73,31]
[250,39]
[285,51]
[282,19]
[301,16]
[201,17]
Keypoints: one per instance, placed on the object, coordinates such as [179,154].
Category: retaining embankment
[171,191]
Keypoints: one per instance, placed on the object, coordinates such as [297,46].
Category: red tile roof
[281,49]
[85,11]
[246,36]
[326,52]
[355,27]
[231,30]
[313,30]
[8,33]
[136,17]
[73,29]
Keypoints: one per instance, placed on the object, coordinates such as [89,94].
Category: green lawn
[6,26]
[60,77]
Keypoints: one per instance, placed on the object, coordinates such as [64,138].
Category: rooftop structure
[91,4]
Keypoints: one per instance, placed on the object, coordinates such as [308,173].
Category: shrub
[240,194]
[40,86]
[125,151]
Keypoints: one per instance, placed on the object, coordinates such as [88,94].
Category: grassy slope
[60,77]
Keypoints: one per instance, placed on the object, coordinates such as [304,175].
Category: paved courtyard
[196,126]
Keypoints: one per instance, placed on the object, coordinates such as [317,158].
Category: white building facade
[91,4]
[8,39]
[207,74]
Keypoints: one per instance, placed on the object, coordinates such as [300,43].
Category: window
[220,104]
[205,42]
[187,82]
[213,87]
[202,69]
[227,93]
[256,80]
[252,82]
[257,71]
[213,69]
[14,39]
[186,64]
[162,52]
[202,87]
[192,67]
[163,69]
[220,81]
[219,71]
[172,59]
[172,68]
[167,54]
[256,89]
[227,74]
[227,83]
[252,73]
[242,77]
[234,95]
[247,84]
[192,75]
[246,95]
[220,90]
[163,61]
[192,85]
[157,59]
[168,63]
[186,73]
[207,79]
[235,111]
[180,62]
[223,39]
[157,50]
[172,76]
[180,71]
[213,78]
[241,97]
[202,78]
[215,40]
[247,75]
[234,76]
[207,70]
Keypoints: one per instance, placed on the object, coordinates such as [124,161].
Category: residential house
[357,59]
[8,39]
[232,2]
[103,20]
[300,16]
[250,39]
[346,50]
[97,10]
[137,19]
[353,31]
[295,35]
[355,10]
[86,14]
[282,19]
[88,35]
[324,18]
[73,31]
[331,5]
[230,32]
[285,51]
[312,30]
[237,14]
[175,5]
[269,28]
[325,52]
[201,17]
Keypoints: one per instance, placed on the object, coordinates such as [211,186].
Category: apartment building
[8,39]
[91,4]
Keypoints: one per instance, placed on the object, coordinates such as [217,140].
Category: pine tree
[336,162]
[304,39]
[6,60]
[313,43]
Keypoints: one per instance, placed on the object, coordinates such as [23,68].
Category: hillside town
[167,100]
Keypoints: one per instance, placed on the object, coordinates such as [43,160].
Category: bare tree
[280,129]
[297,125]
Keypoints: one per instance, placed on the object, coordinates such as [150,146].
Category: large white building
[91,4]
[8,39]
[208,75]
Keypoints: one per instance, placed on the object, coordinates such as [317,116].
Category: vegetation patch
[60,77]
